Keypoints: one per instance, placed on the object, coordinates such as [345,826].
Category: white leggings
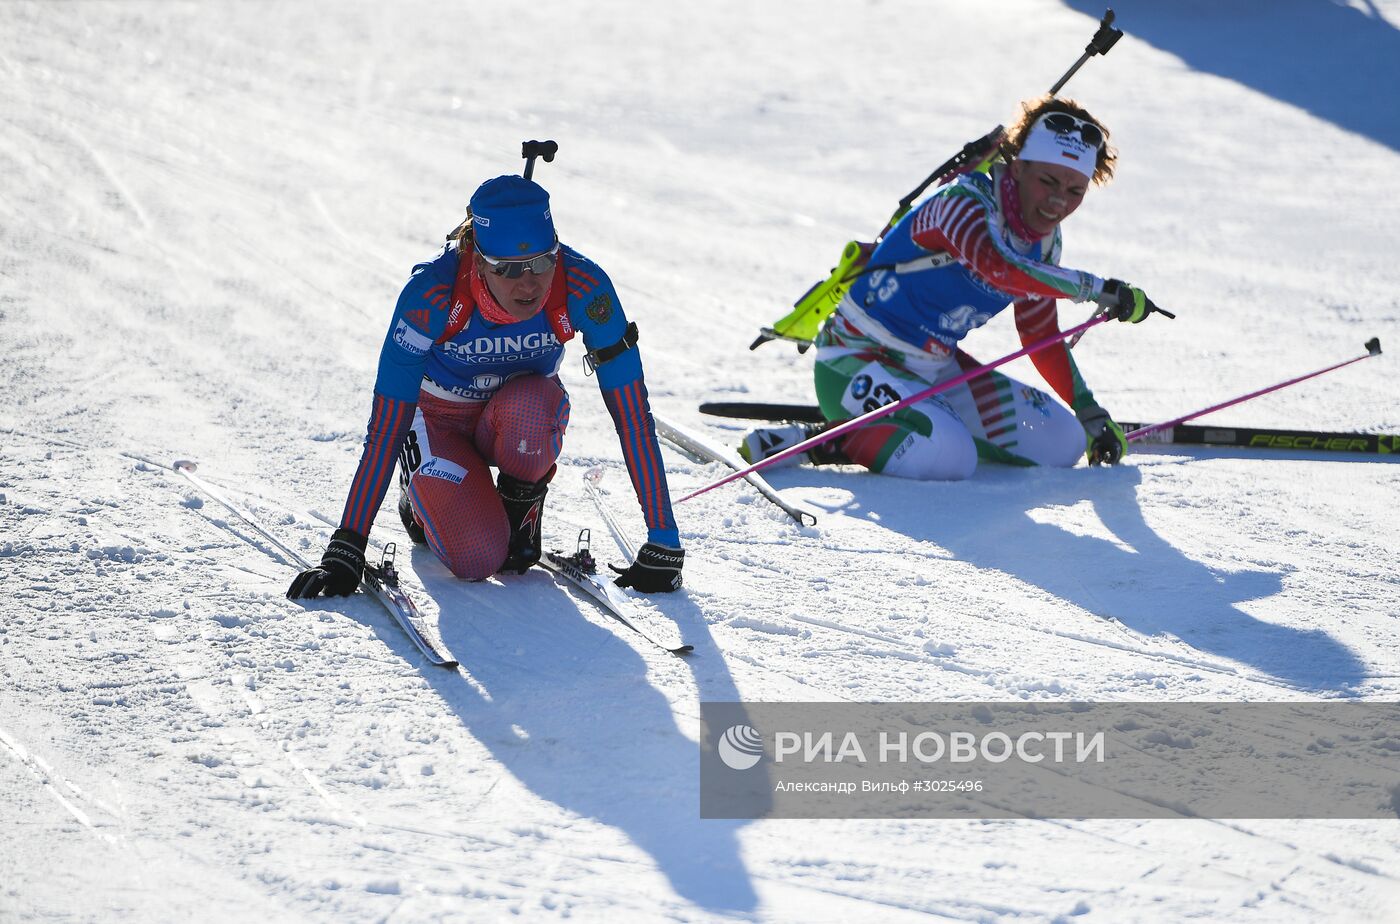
[992,416]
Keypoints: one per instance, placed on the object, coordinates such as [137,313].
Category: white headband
[1068,149]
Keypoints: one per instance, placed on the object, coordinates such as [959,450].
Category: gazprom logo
[740,747]
[411,340]
[438,467]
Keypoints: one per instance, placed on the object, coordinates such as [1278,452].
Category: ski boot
[769,441]
[524,503]
[410,521]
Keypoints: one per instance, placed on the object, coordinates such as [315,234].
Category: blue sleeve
[420,316]
[420,312]
[596,313]
[389,423]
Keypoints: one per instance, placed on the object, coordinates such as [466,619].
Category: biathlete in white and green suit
[976,245]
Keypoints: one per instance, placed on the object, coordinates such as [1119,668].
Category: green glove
[1104,440]
[1125,302]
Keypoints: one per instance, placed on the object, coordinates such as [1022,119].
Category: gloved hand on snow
[1105,442]
[657,570]
[338,574]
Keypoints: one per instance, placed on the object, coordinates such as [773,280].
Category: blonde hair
[462,234]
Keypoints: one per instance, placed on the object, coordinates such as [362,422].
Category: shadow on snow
[1142,581]
[1257,44]
[570,712]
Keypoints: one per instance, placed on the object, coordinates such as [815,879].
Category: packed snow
[208,210]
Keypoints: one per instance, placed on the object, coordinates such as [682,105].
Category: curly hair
[1033,109]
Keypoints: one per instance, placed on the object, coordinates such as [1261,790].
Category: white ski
[581,571]
[701,449]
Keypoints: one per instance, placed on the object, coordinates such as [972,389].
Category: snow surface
[208,209]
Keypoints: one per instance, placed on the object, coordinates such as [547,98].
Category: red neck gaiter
[486,303]
[1011,209]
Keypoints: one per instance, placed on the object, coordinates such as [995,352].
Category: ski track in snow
[207,212]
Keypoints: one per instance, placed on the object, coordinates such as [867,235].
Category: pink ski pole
[1373,348]
[862,420]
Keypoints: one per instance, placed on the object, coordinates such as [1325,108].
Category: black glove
[339,572]
[657,570]
[1124,302]
[1106,443]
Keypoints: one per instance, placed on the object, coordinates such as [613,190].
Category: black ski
[759,410]
[1270,438]
[1179,435]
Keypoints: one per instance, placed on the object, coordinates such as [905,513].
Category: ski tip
[682,650]
[1373,346]
[184,465]
[449,664]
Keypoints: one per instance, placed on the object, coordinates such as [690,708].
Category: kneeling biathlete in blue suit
[468,379]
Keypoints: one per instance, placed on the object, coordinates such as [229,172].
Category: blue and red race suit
[439,343]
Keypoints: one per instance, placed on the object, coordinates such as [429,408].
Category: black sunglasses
[514,269]
[1062,123]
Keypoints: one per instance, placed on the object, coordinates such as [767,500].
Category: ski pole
[185,468]
[862,420]
[1373,348]
[590,484]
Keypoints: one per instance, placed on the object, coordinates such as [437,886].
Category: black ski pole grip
[1102,41]
[533,149]
[1106,37]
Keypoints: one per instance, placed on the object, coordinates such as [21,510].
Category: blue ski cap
[510,218]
